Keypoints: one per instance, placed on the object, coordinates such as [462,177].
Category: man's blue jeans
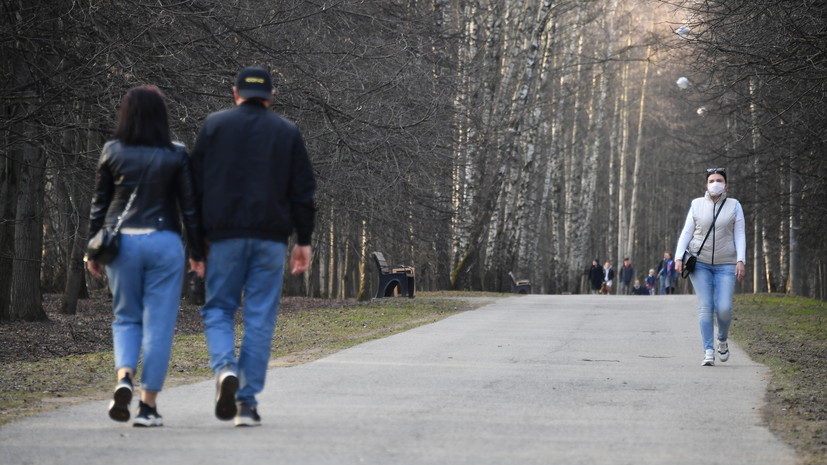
[145,279]
[256,267]
[714,285]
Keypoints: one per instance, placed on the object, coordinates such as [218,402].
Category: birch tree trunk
[363,262]
[630,245]
[572,193]
[757,214]
[622,213]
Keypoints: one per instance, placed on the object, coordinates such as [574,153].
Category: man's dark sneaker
[119,407]
[147,416]
[247,416]
[225,389]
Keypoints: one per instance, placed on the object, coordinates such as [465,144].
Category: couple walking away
[247,186]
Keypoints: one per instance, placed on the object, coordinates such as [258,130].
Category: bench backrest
[381,264]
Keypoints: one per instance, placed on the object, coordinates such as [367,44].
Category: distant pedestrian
[714,232]
[627,274]
[145,181]
[667,273]
[651,280]
[608,278]
[596,276]
[638,289]
[257,185]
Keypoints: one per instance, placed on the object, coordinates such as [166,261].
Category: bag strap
[132,196]
[714,218]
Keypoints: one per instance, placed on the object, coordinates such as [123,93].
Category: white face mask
[716,188]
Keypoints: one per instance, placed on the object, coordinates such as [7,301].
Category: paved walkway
[528,380]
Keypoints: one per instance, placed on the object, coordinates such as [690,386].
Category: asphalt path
[523,380]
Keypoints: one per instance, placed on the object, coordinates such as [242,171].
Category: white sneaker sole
[141,422]
[244,422]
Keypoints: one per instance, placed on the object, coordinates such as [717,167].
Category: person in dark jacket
[256,187]
[608,278]
[146,276]
[627,274]
[596,276]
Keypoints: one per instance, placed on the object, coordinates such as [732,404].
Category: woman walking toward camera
[714,233]
[145,179]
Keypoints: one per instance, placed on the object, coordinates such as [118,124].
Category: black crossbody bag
[689,259]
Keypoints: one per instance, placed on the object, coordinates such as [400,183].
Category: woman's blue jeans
[256,267]
[714,285]
[145,279]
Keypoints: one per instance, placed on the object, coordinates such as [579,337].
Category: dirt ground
[90,330]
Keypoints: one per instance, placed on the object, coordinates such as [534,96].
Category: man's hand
[679,266]
[95,268]
[300,259]
[199,267]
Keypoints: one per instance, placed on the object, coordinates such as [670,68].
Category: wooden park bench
[398,278]
[519,286]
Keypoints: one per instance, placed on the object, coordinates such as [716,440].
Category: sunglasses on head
[716,171]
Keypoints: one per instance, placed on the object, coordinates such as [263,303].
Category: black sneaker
[247,416]
[226,387]
[119,407]
[147,416]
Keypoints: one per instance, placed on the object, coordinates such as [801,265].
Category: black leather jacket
[166,186]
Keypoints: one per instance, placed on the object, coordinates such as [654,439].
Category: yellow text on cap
[254,79]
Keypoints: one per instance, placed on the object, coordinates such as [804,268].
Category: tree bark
[630,244]
[26,297]
[794,283]
[81,203]
[8,209]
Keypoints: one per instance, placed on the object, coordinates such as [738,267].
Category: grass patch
[30,387]
[789,335]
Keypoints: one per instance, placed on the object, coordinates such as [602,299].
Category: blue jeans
[256,267]
[145,279]
[714,285]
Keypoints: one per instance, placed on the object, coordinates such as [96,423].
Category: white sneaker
[709,358]
[723,350]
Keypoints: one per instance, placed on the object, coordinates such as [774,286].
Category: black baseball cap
[254,82]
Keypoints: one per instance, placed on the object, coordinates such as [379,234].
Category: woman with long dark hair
[146,275]
[714,232]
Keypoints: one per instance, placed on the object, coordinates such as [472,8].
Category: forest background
[465,138]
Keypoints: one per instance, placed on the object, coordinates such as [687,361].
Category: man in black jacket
[256,186]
